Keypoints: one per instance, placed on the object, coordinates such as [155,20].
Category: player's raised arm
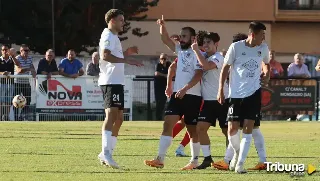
[205,64]
[165,36]
[266,67]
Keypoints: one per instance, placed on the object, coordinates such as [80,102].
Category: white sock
[234,141]
[206,150]
[164,144]
[106,141]
[259,144]
[244,148]
[113,143]
[195,151]
[229,154]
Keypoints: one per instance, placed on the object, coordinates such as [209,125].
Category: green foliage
[78,23]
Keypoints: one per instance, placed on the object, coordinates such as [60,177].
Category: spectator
[318,66]
[48,66]
[70,66]
[160,83]
[276,67]
[93,67]
[7,62]
[298,69]
[22,85]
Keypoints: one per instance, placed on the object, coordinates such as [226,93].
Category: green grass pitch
[68,151]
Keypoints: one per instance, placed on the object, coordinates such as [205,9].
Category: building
[292,25]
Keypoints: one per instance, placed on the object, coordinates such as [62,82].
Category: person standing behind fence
[48,66]
[70,66]
[93,67]
[7,62]
[160,83]
[298,69]
[22,85]
[276,67]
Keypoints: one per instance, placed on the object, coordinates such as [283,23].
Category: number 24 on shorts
[115,97]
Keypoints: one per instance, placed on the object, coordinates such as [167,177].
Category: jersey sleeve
[108,42]
[178,48]
[266,58]
[218,60]
[231,55]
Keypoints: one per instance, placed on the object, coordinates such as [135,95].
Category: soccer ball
[19,101]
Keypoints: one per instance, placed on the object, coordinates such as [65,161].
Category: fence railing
[65,99]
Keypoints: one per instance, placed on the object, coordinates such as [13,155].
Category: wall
[152,45]
[214,10]
[295,37]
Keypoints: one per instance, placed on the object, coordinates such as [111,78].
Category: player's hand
[181,93]
[169,92]
[49,76]
[135,62]
[220,97]
[195,45]
[160,21]
[131,50]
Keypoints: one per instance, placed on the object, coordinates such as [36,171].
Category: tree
[78,23]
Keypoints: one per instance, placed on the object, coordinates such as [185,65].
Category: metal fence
[143,101]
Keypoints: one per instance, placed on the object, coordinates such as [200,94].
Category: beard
[185,46]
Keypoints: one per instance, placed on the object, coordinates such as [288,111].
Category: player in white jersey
[185,98]
[211,62]
[256,134]
[244,60]
[111,81]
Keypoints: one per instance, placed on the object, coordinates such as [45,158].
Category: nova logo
[61,97]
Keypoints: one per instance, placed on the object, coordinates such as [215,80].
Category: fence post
[317,99]
[149,100]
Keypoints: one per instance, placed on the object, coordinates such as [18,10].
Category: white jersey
[210,79]
[187,65]
[245,68]
[110,73]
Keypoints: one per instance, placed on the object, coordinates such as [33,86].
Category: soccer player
[111,81]
[211,62]
[244,60]
[185,96]
[256,134]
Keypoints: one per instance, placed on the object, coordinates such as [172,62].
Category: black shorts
[213,110]
[245,108]
[188,106]
[256,121]
[113,96]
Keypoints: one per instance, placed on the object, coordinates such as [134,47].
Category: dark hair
[200,37]
[112,13]
[255,27]
[239,36]
[5,45]
[191,30]
[212,36]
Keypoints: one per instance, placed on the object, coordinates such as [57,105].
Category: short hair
[5,45]
[212,36]
[239,36]
[191,30]
[112,13]
[256,26]
[49,50]
[24,46]
[200,37]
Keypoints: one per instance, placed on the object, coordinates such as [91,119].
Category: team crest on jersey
[251,65]
[259,53]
